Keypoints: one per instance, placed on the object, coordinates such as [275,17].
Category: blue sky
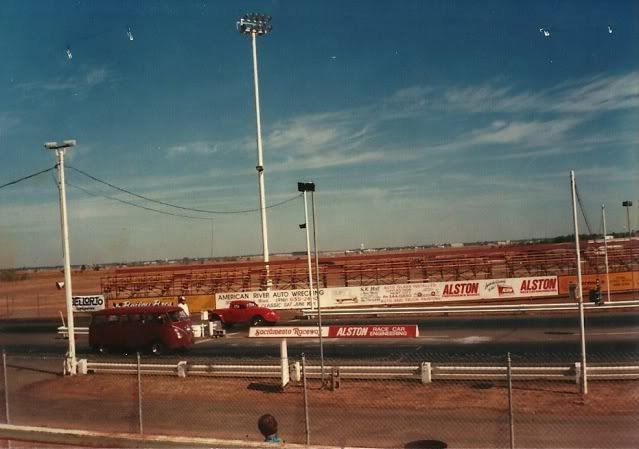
[419,121]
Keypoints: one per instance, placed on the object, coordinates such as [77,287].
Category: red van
[156,328]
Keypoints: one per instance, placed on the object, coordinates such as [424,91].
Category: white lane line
[613,333]
[473,339]
[231,334]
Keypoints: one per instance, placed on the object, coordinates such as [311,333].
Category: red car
[242,311]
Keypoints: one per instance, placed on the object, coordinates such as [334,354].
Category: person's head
[181,299]
[267,425]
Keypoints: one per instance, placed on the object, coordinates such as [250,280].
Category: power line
[583,212]
[163,203]
[26,177]
[88,192]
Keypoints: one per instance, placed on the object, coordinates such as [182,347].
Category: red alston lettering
[538,285]
[461,289]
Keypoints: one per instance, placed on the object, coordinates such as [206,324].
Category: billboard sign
[89,303]
[416,293]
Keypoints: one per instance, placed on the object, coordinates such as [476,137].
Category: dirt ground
[38,296]
[359,413]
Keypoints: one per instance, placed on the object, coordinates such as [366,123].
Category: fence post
[308,434]
[510,404]
[577,372]
[141,429]
[6,385]
[427,373]
[335,380]
[296,369]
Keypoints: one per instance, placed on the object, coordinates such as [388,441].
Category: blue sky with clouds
[420,122]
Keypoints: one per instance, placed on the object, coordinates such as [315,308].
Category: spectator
[182,305]
[268,427]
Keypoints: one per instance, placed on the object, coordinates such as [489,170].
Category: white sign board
[425,292]
[287,332]
[88,303]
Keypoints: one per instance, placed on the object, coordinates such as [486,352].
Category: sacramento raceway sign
[373,295]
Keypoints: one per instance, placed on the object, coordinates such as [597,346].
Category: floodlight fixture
[626,203]
[58,146]
[255,24]
[306,187]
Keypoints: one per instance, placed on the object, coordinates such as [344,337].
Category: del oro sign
[88,303]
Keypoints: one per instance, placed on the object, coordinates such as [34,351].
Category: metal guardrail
[64,331]
[425,372]
[466,309]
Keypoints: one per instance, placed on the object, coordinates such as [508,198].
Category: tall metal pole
[6,386]
[582,330]
[212,227]
[317,288]
[308,255]
[511,420]
[603,219]
[260,166]
[627,205]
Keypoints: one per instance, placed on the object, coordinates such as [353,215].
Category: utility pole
[582,329]
[60,148]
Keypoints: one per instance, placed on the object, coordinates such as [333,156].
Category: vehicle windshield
[178,315]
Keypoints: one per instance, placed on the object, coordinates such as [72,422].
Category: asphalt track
[550,338]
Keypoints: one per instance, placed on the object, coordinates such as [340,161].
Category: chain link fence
[415,403]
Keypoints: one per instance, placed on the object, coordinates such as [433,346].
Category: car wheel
[257,321]
[216,319]
[157,348]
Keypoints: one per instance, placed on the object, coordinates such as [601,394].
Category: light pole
[60,148]
[212,228]
[304,187]
[254,25]
[603,219]
[627,205]
[310,187]
[582,327]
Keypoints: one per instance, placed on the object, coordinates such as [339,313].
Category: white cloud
[188,148]
[89,78]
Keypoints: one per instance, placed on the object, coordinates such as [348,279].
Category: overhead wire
[88,192]
[27,177]
[163,203]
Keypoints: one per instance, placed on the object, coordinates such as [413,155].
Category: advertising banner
[287,332]
[367,331]
[373,295]
[379,331]
[89,303]
[142,302]
[619,282]
[196,303]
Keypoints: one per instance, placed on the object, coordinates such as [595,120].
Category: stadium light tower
[258,25]
[60,148]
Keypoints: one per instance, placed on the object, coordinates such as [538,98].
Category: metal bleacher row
[369,269]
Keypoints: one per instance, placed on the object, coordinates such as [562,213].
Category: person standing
[183,305]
